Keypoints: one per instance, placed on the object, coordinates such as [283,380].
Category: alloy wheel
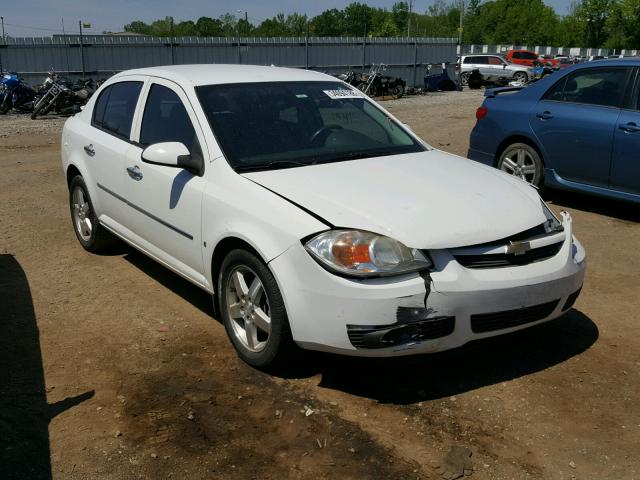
[520,163]
[248,308]
[82,214]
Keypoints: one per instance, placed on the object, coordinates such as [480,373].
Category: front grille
[488,322]
[381,336]
[498,260]
[571,300]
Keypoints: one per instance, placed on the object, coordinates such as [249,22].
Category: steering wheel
[320,136]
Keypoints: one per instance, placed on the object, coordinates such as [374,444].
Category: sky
[44,17]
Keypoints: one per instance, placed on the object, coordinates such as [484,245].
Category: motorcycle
[15,94]
[62,96]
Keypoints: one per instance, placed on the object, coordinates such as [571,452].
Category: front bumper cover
[423,314]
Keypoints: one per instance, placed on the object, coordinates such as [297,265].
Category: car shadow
[594,204]
[174,282]
[408,380]
[24,412]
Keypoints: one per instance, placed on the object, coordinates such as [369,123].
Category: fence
[583,52]
[100,56]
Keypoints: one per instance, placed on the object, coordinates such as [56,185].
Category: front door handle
[135,172]
[630,127]
[544,115]
[89,150]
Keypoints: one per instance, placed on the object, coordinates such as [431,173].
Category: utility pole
[461,27]
[409,18]
[81,48]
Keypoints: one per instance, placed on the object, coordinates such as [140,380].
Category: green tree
[209,27]
[138,26]
[329,23]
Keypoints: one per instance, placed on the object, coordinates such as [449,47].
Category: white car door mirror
[166,153]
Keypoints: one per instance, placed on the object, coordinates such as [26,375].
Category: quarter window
[115,108]
[166,119]
[602,86]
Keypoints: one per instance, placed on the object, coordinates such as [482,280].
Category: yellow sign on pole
[86,25]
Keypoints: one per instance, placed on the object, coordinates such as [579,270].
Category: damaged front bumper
[444,309]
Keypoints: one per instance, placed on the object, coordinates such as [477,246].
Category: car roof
[212,74]
[622,62]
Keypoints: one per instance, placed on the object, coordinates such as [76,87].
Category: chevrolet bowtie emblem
[518,248]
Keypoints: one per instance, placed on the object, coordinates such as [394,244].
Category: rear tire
[464,79]
[523,161]
[521,77]
[253,311]
[90,233]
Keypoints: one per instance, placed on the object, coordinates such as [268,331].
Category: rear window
[115,108]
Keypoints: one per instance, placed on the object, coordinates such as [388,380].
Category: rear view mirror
[165,153]
[172,154]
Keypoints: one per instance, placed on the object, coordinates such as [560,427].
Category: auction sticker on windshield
[339,94]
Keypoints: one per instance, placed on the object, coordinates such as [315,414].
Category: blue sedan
[578,129]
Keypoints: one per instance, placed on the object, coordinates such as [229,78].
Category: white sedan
[312,215]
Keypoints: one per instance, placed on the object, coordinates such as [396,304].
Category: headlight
[552,224]
[364,254]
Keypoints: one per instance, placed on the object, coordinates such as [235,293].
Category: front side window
[495,61]
[115,107]
[283,124]
[596,86]
[166,119]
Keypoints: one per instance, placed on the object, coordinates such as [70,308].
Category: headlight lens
[552,224]
[364,254]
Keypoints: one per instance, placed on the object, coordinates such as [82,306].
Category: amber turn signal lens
[349,254]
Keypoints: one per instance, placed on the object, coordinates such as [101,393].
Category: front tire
[92,236]
[253,311]
[523,161]
[521,77]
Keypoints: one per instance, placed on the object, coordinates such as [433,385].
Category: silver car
[493,65]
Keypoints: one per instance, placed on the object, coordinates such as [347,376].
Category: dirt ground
[112,367]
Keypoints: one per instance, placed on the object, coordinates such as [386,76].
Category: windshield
[288,124]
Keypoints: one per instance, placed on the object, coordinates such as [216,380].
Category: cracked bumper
[324,308]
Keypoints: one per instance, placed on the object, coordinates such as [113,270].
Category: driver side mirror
[504,66]
[172,154]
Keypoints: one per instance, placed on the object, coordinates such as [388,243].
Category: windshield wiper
[271,165]
[357,156]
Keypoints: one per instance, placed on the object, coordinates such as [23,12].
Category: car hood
[429,199]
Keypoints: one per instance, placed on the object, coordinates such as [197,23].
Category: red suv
[530,59]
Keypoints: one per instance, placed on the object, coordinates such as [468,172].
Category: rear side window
[115,108]
[166,120]
[601,86]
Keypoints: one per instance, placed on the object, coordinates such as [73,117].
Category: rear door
[165,203]
[575,122]
[107,143]
[625,162]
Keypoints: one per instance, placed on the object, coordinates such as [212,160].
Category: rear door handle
[89,150]
[544,115]
[630,127]
[135,172]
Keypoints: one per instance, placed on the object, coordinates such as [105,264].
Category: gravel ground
[112,367]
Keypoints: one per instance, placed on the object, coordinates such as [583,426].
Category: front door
[575,123]
[165,210]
